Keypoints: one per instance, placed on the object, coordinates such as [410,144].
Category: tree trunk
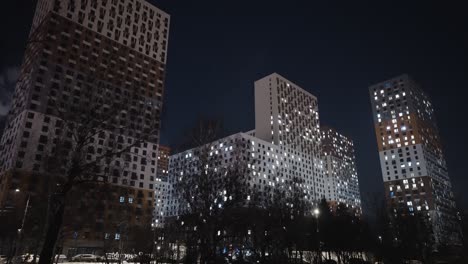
[54,223]
[263,254]
[36,251]
[11,249]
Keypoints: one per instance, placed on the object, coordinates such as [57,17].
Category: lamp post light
[20,230]
[316,213]
[155,242]
[122,228]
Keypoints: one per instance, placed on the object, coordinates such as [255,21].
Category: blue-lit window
[392,194]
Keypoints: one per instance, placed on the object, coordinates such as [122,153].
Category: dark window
[43,139]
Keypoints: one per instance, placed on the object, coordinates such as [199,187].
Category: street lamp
[155,241]
[316,213]
[20,230]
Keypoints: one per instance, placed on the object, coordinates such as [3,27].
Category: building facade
[86,54]
[413,166]
[267,167]
[342,184]
[162,185]
[287,116]
[284,152]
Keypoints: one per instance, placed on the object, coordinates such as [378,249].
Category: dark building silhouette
[98,53]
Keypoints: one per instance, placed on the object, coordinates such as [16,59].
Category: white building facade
[287,116]
[284,151]
[342,182]
[267,167]
[414,169]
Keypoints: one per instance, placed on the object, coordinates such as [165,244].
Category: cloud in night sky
[8,78]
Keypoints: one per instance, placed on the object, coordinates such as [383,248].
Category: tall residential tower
[283,153]
[162,185]
[287,116]
[413,166]
[97,53]
[342,184]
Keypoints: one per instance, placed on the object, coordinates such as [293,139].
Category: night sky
[217,49]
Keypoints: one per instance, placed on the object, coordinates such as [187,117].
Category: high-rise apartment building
[105,53]
[162,185]
[267,167]
[163,162]
[287,116]
[342,184]
[283,152]
[413,166]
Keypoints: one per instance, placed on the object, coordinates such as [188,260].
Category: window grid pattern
[133,23]
[413,165]
[340,169]
[268,167]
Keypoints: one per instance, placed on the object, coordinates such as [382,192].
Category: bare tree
[73,157]
[208,192]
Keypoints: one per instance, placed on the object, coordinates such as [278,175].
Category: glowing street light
[316,212]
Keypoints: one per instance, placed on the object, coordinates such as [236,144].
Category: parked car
[111,257]
[85,258]
[3,259]
[26,258]
[60,258]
